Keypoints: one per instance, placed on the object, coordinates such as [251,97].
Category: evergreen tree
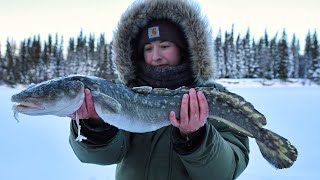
[110,64]
[284,56]
[266,62]
[229,54]
[62,67]
[36,59]
[105,66]
[71,57]
[91,62]
[294,58]
[254,64]
[307,55]
[91,45]
[9,64]
[2,66]
[259,56]
[221,67]
[314,70]
[101,51]
[57,61]
[81,55]
[239,59]
[24,65]
[274,54]
[248,54]
[50,46]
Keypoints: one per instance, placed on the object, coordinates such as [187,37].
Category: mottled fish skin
[144,109]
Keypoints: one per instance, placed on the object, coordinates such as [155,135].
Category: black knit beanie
[161,30]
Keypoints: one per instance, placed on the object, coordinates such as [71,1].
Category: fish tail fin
[277,150]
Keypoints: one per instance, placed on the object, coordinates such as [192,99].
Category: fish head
[59,97]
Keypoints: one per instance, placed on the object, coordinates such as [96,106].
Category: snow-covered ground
[38,147]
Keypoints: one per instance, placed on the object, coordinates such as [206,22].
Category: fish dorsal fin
[142,89]
[105,104]
[237,102]
[182,89]
[160,91]
[209,90]
[31,85]
[244,106]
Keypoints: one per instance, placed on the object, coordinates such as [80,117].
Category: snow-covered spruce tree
[306,60]
[274,55]
[105,66]
[260,58]
[9,77]
[36,59]
[111,73]
[92,61]
[61,60]
[239,59]
[248,54]
[45,56]
[81,55]
[1,65]
[101,59]
[254,65]
[57,61]
[314,70]
[229,54]
[220,56]
[71,57]
[294,58]
[282,68]
[51,61]
[266,62]
[24,65]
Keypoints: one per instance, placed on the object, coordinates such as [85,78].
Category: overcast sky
[24,18]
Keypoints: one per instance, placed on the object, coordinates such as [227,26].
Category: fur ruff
[184,13]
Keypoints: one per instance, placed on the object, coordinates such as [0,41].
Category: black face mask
[170,77]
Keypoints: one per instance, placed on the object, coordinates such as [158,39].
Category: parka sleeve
[221,155]
[109,151]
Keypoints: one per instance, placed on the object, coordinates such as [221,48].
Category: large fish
[145,109]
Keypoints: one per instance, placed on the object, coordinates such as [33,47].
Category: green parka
[214,152]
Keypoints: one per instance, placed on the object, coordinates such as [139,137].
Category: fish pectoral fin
[105,104]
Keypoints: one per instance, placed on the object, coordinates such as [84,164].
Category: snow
[38,147]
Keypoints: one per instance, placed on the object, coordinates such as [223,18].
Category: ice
[38,147]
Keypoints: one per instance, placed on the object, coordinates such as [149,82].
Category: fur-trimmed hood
[184,13]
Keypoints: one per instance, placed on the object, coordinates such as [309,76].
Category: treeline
[34,60]
[269,58]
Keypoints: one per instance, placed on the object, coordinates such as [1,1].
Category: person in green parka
[167,44]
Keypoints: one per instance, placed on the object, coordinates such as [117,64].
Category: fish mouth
[26,106]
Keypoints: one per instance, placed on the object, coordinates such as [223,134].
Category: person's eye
[147,48]
[164,45]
